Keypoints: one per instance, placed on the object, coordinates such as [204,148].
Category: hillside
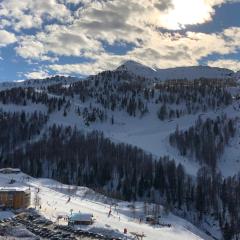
[137,69]
[132,137]
[54,198]
[38,83]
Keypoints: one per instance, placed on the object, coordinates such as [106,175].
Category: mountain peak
[130,64]
[137,69]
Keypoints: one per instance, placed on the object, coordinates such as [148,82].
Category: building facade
[14,198]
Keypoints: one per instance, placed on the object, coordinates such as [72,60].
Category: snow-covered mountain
[189,73]
[137,69]
[136,115]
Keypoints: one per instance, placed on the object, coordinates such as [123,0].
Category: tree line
[126,172]
[206,140]
[25,96]
[122,91]
[18,127]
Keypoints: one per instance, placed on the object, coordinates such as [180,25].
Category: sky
[40,38]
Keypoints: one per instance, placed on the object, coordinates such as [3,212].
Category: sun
[187,12]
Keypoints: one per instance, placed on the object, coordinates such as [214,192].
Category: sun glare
[187,12]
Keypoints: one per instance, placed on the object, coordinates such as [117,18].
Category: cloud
[226,63]
[29,14]
[31,49]
[79,69]
[102,62]
[84,30]
[164,5]
[36,75]
[6,38]
[56,41]
[159,51]
[156,48]
[232,36]
[189,12]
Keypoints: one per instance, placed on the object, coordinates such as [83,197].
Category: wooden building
[14,198]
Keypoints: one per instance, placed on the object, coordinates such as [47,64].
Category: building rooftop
[13,189]
[82,217]
[9,170]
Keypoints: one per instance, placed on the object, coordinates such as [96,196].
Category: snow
[237,76]
[29,108]
[15,189]
[148,132]
[189,73]
[10,170]
[230,162]
[6,214]
[54,199]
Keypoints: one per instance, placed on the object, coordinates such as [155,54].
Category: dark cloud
[164,5]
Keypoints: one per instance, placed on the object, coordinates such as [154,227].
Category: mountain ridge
[178,73]
[137,69]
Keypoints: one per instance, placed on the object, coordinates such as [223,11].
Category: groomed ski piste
[57,200]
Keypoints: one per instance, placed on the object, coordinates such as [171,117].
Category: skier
[69,199]
[109,213]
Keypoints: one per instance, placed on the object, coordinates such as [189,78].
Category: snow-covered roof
[13,189]
[14,170]
[81,217]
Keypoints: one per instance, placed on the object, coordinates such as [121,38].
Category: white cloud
[232,36]
[133,22]
[36,75]
[30,49]
[58,41]
[102,62]
[6,38]
[159,50]
[28,14]
[73,69]
[81,32]
[226,63]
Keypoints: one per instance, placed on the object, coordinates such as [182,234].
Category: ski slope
[58,199]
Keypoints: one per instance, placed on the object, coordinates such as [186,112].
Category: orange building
[14,198]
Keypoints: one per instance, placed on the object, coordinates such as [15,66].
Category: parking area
[42,228]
